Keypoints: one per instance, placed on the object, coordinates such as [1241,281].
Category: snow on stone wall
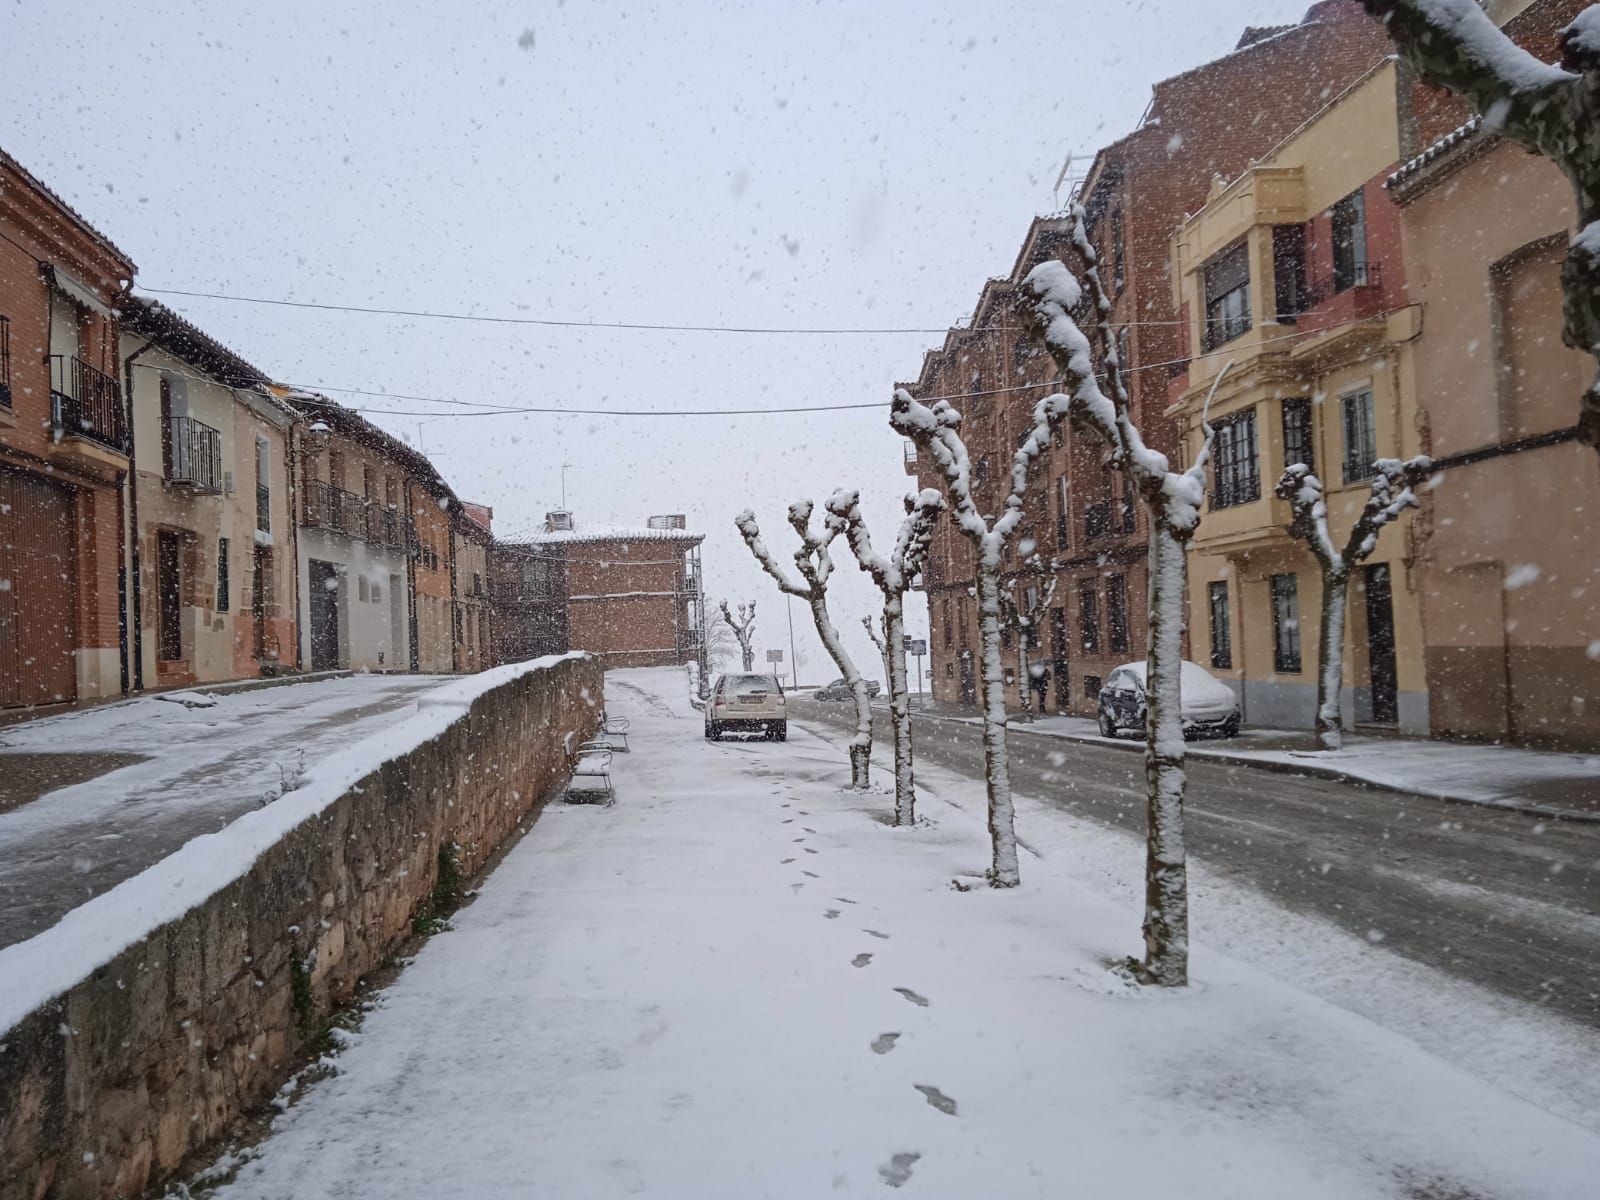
[142,1026]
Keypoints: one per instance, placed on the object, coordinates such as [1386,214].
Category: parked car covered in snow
[747,704]
[840,690]
[1209,706]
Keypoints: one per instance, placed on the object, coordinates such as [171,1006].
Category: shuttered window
[1227,283]
[223,602]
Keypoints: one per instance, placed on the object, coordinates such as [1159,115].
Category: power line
[560,323]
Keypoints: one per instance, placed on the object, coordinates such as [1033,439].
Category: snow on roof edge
[44,967]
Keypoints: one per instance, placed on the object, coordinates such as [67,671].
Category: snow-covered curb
[36,971]
[1316,764]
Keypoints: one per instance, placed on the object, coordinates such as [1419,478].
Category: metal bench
[614,733]
[591,775]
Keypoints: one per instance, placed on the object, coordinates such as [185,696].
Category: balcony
[1098,520]
[331,508]
[194,455]
[1360,275]
[88,425]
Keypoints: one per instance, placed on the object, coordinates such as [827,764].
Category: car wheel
[781,733]
[714,732]
[1107,729]
[1231,729]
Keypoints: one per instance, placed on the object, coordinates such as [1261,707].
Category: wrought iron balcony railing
[86,403]
[194,458]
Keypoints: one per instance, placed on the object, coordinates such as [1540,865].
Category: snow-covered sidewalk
[1544,783]
[738,982]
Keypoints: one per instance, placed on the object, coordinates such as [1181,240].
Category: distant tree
[894,576]
[721,648]
[1553,111]
[1392,493]
[1025,620]
[742,628]
[1173,500]
[935,430]
[814,563]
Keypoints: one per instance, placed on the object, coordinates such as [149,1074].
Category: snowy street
[188,771]
[739,982]
[1496,897]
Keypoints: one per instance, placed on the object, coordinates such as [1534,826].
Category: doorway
[1380,645]
[37,625]
[260,574]
[969,681]
[323,603]
[169,591]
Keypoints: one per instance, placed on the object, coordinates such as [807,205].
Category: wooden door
[169,590]
[38,592]
[322,599]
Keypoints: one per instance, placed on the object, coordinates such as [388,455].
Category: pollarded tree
[1393,491]
[814,562]
[1173,500]
[875,636]
[935,430]
[1553,111]
[894,576]
[742,627]
[1025,618]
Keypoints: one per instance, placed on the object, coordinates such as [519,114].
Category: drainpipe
[132,504]
[457,647]
[414,661]
[292,465]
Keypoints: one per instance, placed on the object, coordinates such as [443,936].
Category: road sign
[774,656]
[916,647]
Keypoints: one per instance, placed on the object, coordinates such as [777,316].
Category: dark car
[840,690]
[1209,706]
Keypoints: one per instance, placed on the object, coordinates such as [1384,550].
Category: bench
[591,775]
[614,733]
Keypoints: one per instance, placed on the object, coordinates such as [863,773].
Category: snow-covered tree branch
[1553,111]
[742,627]
[813,564]
[1173,499]
[894,576]
[935,430]
[1393,491]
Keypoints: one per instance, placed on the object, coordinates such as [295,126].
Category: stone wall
[107,1088]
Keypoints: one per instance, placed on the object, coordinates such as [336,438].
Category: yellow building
[1292,288]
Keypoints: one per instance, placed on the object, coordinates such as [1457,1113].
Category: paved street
[140,779]
[1505,900]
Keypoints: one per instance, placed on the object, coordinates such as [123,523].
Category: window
[1089,616]
[1350,242]
[1058,640]
[1063,513]
[5,362]
[1030,598]
[1236,474]
[1288,271]
[376,592]
[1227,283]
[1298,444]
[1128,518]
[166,427]
[263,486]
[1285,623]
[1117,611]
[1119,273]
[361,588]
[1221,632]
[222,575]
[949,630]
[1360,437]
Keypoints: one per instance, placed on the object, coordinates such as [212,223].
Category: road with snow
[739,982]
[1492,896]
[202,768]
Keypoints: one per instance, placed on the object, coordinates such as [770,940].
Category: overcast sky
[845,165]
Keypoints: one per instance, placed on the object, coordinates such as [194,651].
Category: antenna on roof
[1055,192]
[564,467]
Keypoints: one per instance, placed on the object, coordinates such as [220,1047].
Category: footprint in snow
[799,839]
[916,998]
[785,861]
[884,1042]
[876,934]
[861,960]
[937,1098]
[809,850]
[813,874]
[897,1170]
[787,821]
[844,900]
[831,914]
[802,812]
[808,830]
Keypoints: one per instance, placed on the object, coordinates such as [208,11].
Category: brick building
[1082,528]
[633,596]
[471,541]
[64,451]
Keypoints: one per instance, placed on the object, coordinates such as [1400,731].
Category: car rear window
[744,684]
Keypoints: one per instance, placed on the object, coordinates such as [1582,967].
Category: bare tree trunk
[748,656]
[1330,659]
[1024,694]
[861,743]
[1166,895]
[1003,871]
[905,795]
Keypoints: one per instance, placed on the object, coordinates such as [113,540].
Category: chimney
[669,521]
[559,521]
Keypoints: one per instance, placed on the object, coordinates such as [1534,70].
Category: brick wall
[158,1053]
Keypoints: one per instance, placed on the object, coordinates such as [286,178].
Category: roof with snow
[1452,147]
[152,319]
[610,533]
[34,182]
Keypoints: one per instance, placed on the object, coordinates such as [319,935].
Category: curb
[1308,770]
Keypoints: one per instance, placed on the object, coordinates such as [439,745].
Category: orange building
[65,446]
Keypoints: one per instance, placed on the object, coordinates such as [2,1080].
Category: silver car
[747,704]
[1209,706]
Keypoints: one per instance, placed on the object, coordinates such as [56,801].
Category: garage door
[37,632]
